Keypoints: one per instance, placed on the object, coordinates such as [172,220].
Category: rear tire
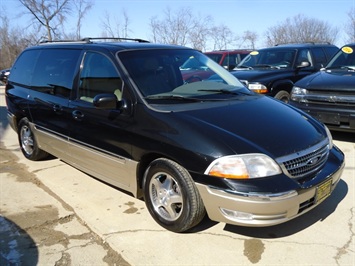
[28,143]
[171,196]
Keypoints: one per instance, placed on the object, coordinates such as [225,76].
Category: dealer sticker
[347,50]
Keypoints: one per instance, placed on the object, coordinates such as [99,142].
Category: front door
[98,138]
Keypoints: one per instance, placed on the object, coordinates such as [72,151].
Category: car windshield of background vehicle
[271,59]
[344,60]
[180,76]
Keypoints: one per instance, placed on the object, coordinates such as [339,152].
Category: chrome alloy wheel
[26,140]
[165,195]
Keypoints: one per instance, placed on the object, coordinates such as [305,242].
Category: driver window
[304,56]
[98,76]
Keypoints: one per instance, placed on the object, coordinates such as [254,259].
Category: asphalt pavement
[53,214]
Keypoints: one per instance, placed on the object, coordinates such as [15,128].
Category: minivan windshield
[268,58]
[179,75]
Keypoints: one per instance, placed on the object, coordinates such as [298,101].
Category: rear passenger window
[23,69]
[98,76]
[55,71]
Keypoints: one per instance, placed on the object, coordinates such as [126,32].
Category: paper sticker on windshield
[347,50]
[254,53]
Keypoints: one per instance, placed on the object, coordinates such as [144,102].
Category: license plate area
[328,118]
[324,190]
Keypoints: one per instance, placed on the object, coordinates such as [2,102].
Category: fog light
[236,215]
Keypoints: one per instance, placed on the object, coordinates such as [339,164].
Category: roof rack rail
[60,41]
[310,43]
[89,39]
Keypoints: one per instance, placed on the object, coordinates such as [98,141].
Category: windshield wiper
[172,97]
[243,66]
[351,68]
[227,92]
[268,66]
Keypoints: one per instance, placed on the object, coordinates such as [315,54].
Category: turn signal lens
[244,166]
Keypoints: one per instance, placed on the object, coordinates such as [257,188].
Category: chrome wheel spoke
[166,196]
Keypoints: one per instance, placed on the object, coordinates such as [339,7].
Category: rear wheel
[172,197]
[28,143]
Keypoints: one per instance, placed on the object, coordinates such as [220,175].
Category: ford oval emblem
[313,160]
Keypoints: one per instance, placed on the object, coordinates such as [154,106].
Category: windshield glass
[343,59]
[268,58]
[179,74]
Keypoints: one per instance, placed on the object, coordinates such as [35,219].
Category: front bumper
[335,117]
[262,209]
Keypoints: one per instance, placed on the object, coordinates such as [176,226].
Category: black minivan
[123,113]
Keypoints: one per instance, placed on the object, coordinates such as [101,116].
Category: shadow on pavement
[3,119]
[343,136]
[16,246]
[319,213]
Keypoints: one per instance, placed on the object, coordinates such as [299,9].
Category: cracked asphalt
[53,214]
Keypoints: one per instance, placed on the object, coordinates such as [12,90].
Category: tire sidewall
[37,154]
[166,166]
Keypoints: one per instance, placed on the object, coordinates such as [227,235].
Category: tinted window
[55,71]
[23,69]
[98,76]
[304,55]
[320,57]
[230,60]
[215,57]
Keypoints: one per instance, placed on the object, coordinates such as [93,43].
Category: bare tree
[301,29]
[350,27]
[200,32]
[185,28]
[12,42]
[50,14]
[173,28]
[116,28]
[222,37]
[82,7]
[251,38]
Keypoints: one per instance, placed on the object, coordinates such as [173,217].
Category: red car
[229,59]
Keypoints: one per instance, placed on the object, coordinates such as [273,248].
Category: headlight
[330,137]
[298,94]
[244,166]
[257,87]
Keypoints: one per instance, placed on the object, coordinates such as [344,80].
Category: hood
[260,75]
[329,81]
[257,124]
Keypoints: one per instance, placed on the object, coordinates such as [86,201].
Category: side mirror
[105,101]
[304,64]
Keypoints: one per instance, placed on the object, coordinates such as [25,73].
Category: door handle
[57,108]
[77,115]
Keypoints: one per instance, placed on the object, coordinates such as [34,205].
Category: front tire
[283,96]
[172,197]
[28,143]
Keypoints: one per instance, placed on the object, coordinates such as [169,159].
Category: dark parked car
[121,112]
[273,71]
[4,74]
[229,59]
[329,95]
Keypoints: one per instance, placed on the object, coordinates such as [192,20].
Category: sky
[239,15]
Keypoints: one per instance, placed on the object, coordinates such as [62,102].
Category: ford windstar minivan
[122,112]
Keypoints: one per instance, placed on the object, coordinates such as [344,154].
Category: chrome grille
[305,163]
